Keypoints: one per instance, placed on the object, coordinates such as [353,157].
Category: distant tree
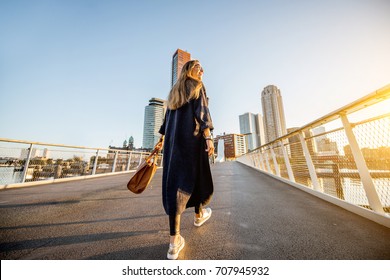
[38,161]
[131,143]
[102,160]
[76,159]
[125,144]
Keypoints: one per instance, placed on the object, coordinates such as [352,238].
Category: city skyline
[80,73]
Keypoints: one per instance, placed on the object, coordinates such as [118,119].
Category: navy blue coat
[187,180]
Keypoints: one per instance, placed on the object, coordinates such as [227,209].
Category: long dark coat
[187,180]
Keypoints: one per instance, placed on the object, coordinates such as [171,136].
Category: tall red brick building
[179,58]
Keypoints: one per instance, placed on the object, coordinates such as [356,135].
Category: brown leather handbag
[144,173]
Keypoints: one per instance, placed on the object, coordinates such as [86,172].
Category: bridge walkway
[254,217]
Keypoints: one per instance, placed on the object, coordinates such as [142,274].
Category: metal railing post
[277,170]
[129,162]
[254,160]
[368,183]
[140,159]
[258,163]
[267,163]
[95,162]
[114,163]
[25,170]
[287,161]
[261,160]
[309,162]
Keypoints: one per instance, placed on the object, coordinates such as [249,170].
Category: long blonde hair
[178,95]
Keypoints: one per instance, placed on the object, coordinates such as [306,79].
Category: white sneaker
[174,250]
[206,214]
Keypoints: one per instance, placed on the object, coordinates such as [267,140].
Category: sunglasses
[198,66]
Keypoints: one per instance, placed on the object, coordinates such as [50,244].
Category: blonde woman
[187,180]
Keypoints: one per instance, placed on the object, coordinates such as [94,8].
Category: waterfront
[8,175]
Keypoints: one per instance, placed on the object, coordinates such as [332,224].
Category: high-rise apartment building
[324,145]
[260,131]
[24,153]
[179,58]
[273,112]
[235,145]
[153,119]
[46,153]
[251,125]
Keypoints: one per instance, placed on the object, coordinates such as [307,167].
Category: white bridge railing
[343,156]
[24,162]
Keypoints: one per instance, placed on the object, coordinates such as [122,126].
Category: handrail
[56,145]
[31,168]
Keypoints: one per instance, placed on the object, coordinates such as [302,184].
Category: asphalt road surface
[254,217]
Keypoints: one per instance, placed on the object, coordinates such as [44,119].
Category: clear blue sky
[82,72]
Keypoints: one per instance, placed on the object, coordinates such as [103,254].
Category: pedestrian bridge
[322,191]
[255,216]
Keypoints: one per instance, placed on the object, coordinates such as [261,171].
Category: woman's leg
[176,241]
[198,211]
[201,215]
[174,228]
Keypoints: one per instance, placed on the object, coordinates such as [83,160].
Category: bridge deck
[254,217]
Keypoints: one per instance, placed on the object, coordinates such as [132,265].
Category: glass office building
[153,119]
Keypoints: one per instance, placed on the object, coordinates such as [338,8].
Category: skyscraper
[179,58]
[251,125]
[260,129]
[153,119]
[273,112]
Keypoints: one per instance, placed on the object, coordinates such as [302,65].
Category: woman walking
[188,143]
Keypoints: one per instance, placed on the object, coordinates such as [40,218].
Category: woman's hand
[210,147]
[159,146]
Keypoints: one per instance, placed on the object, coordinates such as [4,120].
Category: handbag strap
[155,152]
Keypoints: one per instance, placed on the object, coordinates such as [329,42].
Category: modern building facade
[24,153]
[235,145]
[273,113]
[153,119]
[179,58]
[251,125]
[260,131]
[324,145]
